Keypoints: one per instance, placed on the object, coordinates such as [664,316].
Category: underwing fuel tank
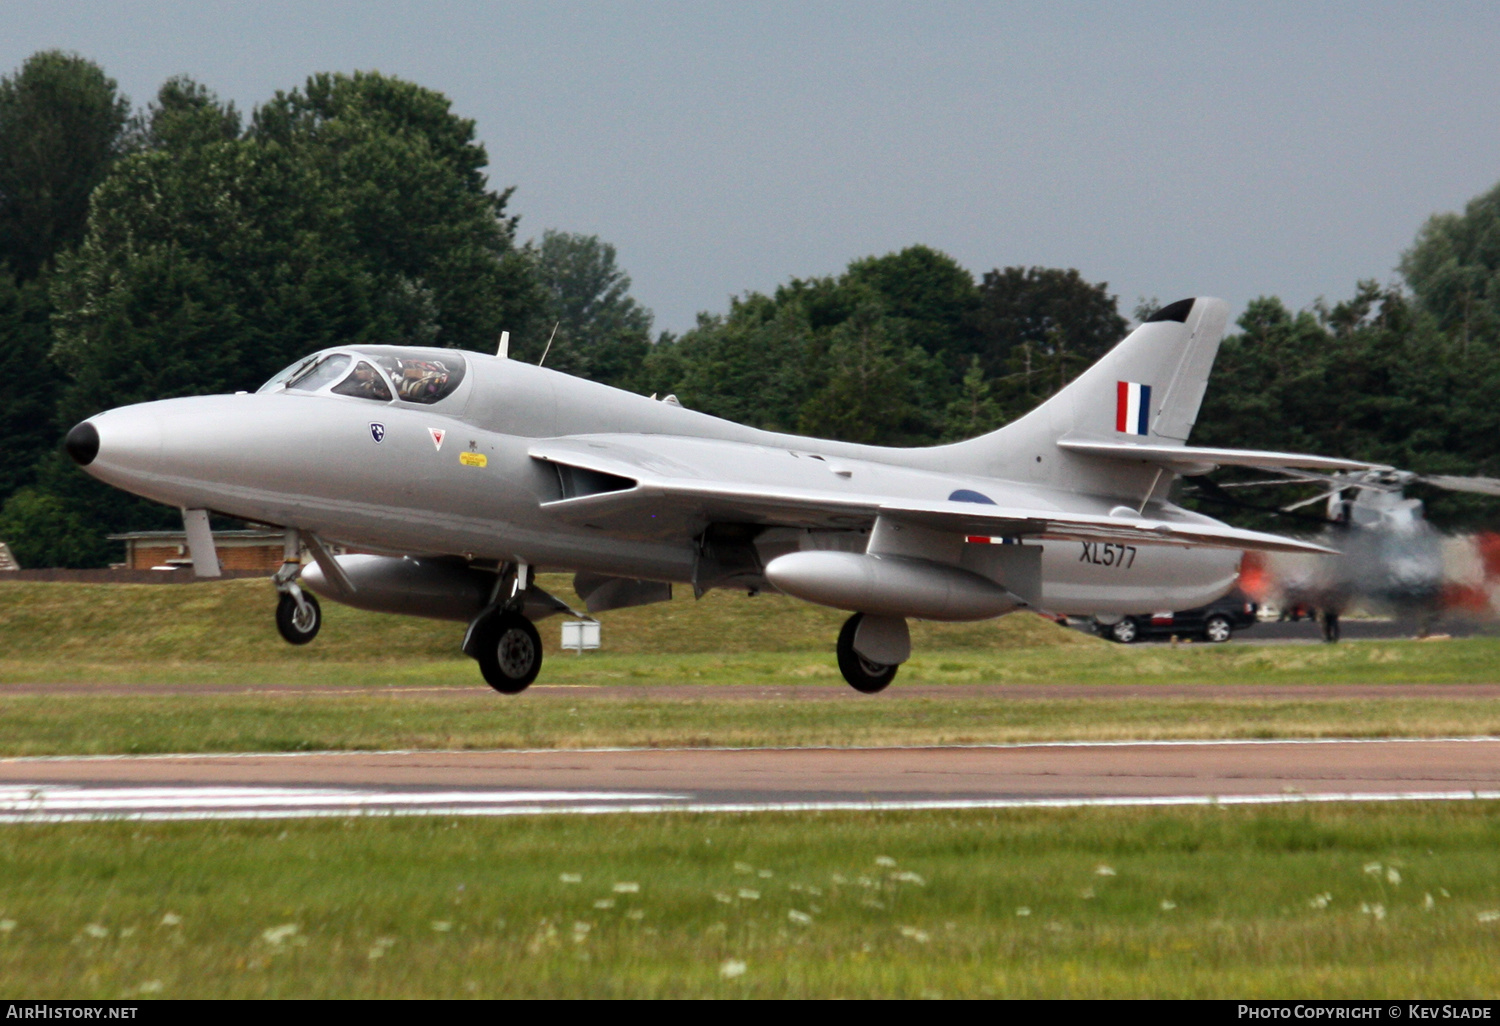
[889,586]
[435,588]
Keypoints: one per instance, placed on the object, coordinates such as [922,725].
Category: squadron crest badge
[377,432]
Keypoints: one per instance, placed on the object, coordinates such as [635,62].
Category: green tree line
[186,247]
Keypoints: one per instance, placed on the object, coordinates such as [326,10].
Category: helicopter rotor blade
[1309,502]
[1476,485]
[1264,484]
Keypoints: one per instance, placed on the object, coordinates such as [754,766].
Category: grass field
[1006,661]
[230,623]
[1365,901]
[221,634]
[478,719]
[1310,901]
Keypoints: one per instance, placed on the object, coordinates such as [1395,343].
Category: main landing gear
[501,640]
[862,673]
[508,650]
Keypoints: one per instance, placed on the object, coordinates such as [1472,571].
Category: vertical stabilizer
[1147,389]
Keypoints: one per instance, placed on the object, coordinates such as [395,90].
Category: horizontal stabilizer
[1018,523]
[1187,459]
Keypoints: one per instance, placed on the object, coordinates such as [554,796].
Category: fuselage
[452,476]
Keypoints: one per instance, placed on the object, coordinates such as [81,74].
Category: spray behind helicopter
[1391,560]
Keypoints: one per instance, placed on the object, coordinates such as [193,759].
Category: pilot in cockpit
[365,382]
[422,380]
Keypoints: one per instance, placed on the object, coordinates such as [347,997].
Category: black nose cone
[82,443]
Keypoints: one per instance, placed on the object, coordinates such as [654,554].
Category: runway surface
[500,783]
[1207,692]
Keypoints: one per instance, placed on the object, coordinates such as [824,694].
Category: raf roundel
[377,432]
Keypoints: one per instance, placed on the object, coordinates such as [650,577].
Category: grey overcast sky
[1170,149]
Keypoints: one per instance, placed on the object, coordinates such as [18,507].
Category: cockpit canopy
[379,374]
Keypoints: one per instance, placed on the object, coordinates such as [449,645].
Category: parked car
[1216,622]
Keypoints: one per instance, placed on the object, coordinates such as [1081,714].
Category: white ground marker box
[578,635]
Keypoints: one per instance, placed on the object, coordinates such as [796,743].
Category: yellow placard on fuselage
[473,459]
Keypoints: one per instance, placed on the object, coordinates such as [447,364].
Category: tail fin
[1146,389]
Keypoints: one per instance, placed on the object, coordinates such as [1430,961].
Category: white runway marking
[42,803]
[1235,742]
[50,803]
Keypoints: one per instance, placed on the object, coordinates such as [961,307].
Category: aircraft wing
[1187,459]
[637,486]
[624,487]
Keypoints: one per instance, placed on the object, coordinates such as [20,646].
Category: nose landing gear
[298,615]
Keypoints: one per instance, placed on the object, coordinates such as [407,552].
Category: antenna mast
[549,343]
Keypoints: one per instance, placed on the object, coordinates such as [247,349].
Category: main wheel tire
[862,674]
[299,624]
[1125,631]
[510,653]
[1218,629]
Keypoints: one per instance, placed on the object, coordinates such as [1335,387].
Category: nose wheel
[298,617]
[509,652]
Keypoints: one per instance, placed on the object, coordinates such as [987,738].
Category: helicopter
[1390,558]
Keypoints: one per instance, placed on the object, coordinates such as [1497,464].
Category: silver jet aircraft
[461,475]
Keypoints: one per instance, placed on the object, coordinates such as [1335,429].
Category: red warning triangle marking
[437,437]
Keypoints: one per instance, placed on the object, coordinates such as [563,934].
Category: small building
[238,550]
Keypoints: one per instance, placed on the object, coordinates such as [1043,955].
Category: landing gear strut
[862,674]
[1329,621]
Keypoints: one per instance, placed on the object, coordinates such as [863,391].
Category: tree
[751,366]
[28,381]
[1453,270]
[868,393]
[62,125]
[975,411]
[352,211]
[1370,379]
[928,292]
[790,360]
[187,115]
[1034,372]
[602,333]
[1047,308]
[43,532]
[412,206]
